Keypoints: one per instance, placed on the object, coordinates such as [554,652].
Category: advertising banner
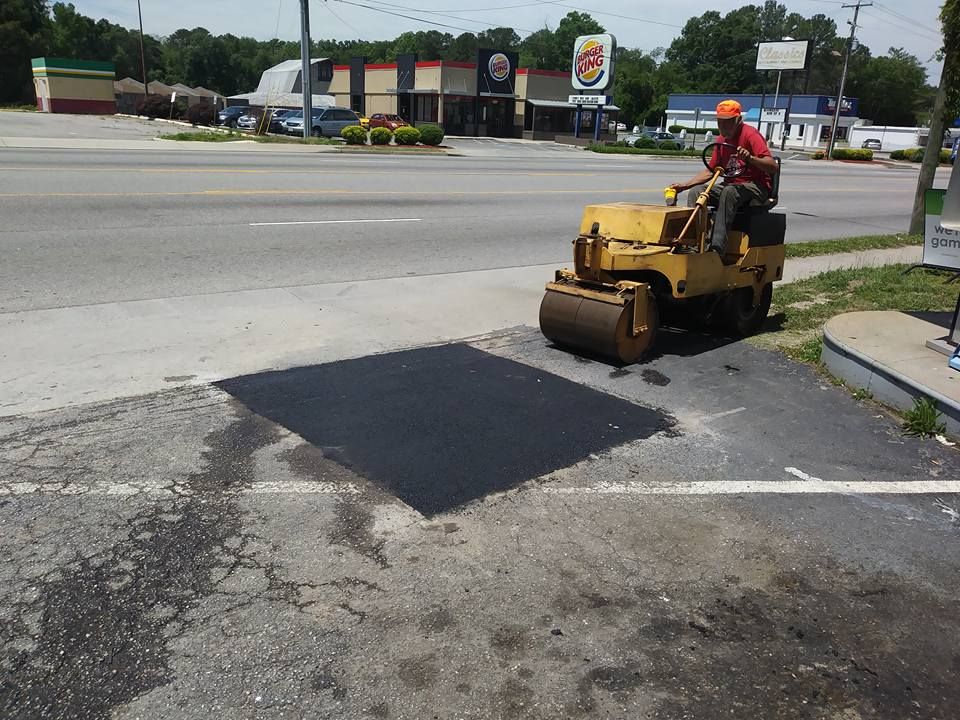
[785,55]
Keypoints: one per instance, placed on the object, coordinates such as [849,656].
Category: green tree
[950,23]
[571,26]
[463,48]
[500,38]
[633,85]
[890,88]
[24,28]
[539,50]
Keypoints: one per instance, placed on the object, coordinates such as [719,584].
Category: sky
[635,23]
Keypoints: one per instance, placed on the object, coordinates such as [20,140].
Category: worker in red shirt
[754,183]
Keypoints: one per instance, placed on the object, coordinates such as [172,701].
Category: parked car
[249,121]
[953,153]
[325,122]
[230,115]
[621,127]
[391,122]
[278,117]
[364,122]
[662,137]
[871,144]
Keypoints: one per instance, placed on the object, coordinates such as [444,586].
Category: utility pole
[143,57]
[843,78]
[305,67]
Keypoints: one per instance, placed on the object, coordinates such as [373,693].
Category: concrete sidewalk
[74,355]
[886,352]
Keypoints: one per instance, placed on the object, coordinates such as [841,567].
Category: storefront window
[458,115]
[425,108]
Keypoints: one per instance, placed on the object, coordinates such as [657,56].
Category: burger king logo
[499,67]
[588,62]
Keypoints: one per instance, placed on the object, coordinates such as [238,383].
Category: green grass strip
[851,244]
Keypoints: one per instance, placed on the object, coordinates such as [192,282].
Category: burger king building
[491,97]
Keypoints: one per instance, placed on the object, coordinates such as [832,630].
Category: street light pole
[843,77]
[305,68]
[143,57]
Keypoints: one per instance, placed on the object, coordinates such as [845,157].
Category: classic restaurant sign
[785,55]
[593,62]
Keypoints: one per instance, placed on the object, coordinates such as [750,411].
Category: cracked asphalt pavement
[492,530]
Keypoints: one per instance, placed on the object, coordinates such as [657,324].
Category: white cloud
[882,26]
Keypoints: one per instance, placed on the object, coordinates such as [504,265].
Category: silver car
[325,122]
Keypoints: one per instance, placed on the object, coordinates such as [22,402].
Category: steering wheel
[739,167]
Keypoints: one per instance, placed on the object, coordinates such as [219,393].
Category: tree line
[714,53]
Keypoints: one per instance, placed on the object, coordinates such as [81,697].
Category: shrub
[668,145]
[852,154]
[380,136]
[945,156]
[819,155]
[406,136]
[431,134]
[200,115]
[155,106]
[898,155]
[644,142]
[354,135]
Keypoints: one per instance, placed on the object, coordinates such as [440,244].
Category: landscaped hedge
[431,134]
[354,135]
[644,143]
[380,136]
[852,154]
[916,155]
[675,129]
[406,136]
[669,145]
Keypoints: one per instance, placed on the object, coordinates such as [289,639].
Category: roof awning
[412,91]
[509,96]
[562,104]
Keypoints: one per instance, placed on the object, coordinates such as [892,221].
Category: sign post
[593,63]
[782,55]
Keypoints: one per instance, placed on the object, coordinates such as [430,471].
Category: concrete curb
[887,385]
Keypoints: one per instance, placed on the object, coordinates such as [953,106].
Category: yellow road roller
[632,262]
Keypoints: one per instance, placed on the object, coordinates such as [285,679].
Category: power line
[910,20]
[454,17]
[616,15]
[406,17]
[330,10]
[899,25]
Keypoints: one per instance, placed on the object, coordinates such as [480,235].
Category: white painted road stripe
[745,487]
[290,487]
[336,222]
[773,487]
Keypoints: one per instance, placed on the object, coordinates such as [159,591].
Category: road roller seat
[771,202]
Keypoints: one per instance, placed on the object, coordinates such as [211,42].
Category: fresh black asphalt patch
[442,426]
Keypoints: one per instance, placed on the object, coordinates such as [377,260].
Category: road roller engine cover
[632,262]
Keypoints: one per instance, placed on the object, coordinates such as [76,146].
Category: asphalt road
[95,226]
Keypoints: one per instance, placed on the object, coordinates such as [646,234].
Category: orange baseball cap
[729,109]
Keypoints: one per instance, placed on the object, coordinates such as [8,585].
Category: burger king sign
[499,67]
[593,62]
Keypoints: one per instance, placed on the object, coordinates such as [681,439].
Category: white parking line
[337,222]
[772,487]
[165,489]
